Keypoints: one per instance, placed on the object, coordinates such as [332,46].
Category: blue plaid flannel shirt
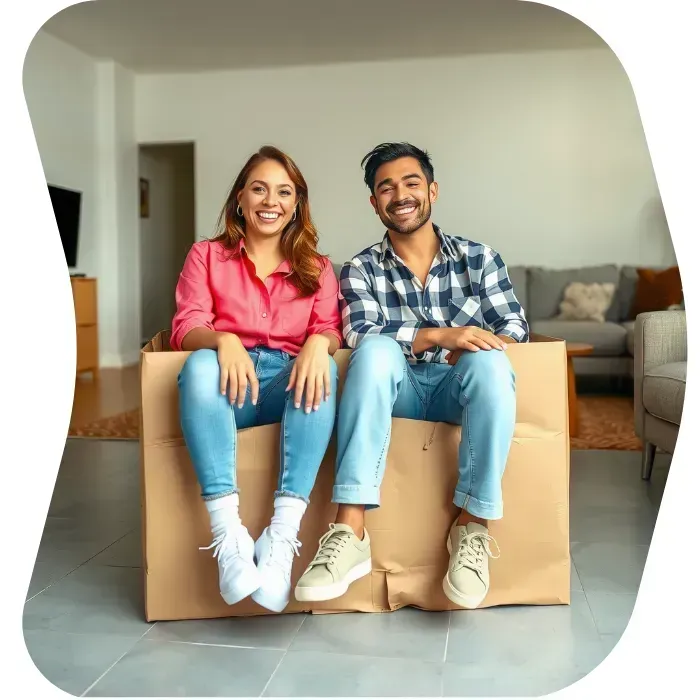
[467,285]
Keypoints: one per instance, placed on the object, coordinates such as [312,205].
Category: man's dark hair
[387,152]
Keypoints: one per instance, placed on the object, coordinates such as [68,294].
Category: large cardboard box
[408,531]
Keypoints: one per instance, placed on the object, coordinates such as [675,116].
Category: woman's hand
[237,369]
[311,371]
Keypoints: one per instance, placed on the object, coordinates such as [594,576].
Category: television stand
[85,302]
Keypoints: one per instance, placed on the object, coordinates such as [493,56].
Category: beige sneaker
[466,582]
[341,559]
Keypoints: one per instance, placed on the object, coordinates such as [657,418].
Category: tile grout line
[269,680]
[211,644]
[374,657]
[296,633]
[89,559]
[94,683]
[447,638]
[284,655]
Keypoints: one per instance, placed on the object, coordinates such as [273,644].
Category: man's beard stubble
[407,227]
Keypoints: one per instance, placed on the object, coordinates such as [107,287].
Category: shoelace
[330,545]
[472,549]
[224,543]
[289,547]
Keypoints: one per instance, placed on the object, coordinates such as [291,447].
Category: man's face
[402,197]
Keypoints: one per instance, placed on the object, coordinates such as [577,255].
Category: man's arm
[362,314]
[500,307]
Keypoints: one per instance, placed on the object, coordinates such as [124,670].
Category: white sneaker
[234,548]
[274,553]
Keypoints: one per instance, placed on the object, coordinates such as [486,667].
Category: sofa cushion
[608,339]
[337,268]
[629,329]
[518,278]
[627,290]
[545,288]
[663,391]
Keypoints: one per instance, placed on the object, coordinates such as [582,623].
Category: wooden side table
[574,350]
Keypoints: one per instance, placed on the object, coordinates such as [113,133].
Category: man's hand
[468,338]
[454,355]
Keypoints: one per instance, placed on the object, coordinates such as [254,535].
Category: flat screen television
[66,208]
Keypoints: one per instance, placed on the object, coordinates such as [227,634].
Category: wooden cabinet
[85,302]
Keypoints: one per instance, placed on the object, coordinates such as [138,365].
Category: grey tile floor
[85,631]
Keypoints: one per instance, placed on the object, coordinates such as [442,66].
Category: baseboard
[114,361]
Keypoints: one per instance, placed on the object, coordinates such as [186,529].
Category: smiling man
[429,317]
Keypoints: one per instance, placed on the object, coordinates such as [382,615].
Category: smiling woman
[269,198]
[258,307]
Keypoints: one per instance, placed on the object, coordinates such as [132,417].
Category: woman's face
[268,199]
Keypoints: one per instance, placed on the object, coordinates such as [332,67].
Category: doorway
[167,228]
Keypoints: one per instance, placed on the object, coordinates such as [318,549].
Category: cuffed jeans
[478,393]
[209,423]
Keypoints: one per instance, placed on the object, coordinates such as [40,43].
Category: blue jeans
[209,423]
[477,393]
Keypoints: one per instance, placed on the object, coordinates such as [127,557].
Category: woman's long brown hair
[299,238]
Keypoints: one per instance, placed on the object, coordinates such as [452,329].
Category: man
[429,317]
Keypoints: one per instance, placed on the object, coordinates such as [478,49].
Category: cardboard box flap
[538,367]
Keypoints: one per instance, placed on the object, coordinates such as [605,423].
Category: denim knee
[488,373]
[333,369]
[377,356]
[200,376]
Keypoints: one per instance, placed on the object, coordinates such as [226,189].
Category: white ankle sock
[224,510]
[286,519]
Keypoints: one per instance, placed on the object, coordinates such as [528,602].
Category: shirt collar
[447,249]
[284,268]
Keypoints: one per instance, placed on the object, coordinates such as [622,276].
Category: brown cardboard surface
[408,532]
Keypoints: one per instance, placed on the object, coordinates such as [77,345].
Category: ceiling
[155,36]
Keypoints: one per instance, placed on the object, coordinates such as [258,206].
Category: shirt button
[264,315]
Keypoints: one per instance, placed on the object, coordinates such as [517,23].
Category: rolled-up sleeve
[500,307]
[325,314]
[193,298]
[362,314]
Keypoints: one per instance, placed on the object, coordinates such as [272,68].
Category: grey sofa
[660,362]
[540,291]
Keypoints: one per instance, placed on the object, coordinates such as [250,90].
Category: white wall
[541,155]
[82,113]
[117,167]
[60,86]
[167,234]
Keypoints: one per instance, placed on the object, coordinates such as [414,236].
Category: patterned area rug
[123,426]
[607,423]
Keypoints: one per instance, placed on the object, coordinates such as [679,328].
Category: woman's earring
[239,211]
[294,215]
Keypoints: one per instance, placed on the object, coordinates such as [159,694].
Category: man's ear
[373,202]
[434,190]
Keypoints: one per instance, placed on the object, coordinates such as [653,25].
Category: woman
[258,306]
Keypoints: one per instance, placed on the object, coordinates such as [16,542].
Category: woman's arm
[202,339]
[325,314]
[195,305]
[333,341]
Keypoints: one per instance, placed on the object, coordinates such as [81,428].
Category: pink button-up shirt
[223,293]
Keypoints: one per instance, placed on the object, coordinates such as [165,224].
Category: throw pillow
[656,290]
[586,302]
